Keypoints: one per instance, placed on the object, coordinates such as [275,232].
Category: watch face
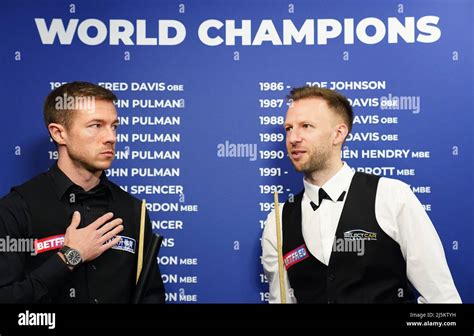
[73,257]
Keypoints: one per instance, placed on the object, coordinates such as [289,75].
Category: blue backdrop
[411,92]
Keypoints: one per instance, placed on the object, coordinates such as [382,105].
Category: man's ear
[58,133]
[341,133]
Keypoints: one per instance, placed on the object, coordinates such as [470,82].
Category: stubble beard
[317,161]
[90,165]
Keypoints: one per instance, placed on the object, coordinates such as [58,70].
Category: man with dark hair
[84,227]
[348,237]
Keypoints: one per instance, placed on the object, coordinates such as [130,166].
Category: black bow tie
[98,195]
[322,196]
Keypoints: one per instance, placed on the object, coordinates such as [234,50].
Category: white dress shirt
[399,214]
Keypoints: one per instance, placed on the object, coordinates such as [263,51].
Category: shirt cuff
[53,273]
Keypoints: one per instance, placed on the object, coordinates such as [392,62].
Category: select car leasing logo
[359,234]
[37,319]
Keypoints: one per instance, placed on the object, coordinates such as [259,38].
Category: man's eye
[95,125]
[287,129]
[306,125]
[114,127]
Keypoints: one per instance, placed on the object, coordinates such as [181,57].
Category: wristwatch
[72,256]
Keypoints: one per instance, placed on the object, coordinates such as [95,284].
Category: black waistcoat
[378,275]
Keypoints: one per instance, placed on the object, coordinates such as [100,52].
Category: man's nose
[294,137]
[111,135]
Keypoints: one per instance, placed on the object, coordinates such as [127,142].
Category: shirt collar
[62,183]
[334,187]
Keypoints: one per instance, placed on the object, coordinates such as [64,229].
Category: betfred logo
[49,243]
[295,256]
